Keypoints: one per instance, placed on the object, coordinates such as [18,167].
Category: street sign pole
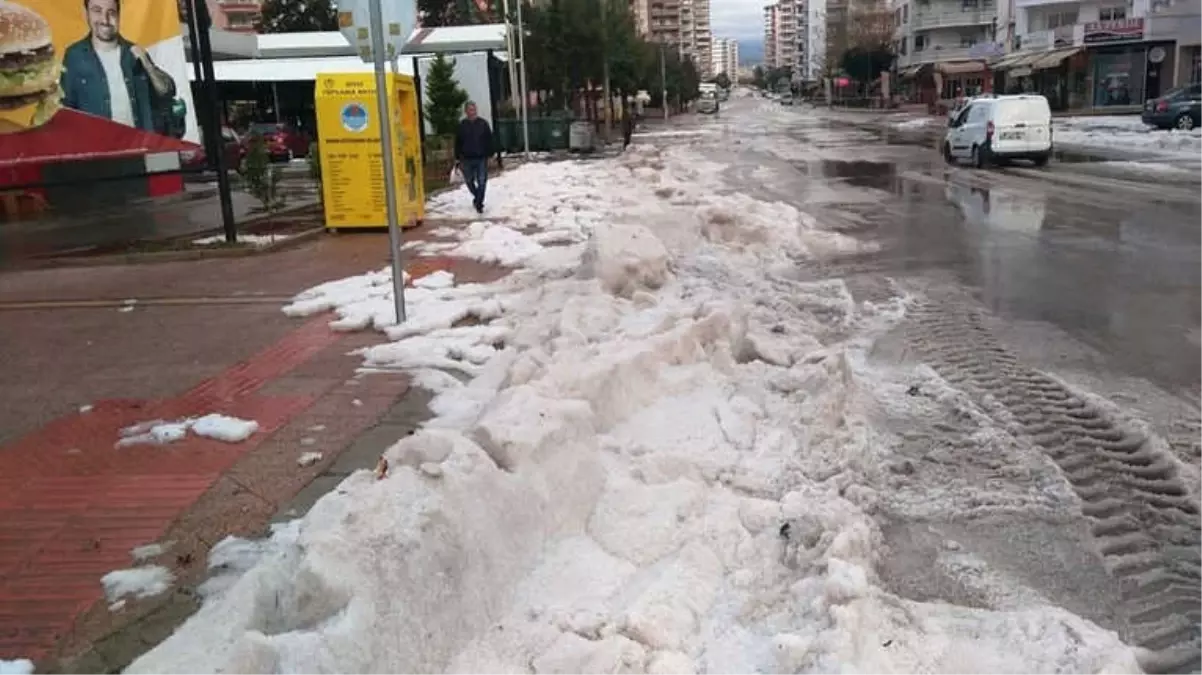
[525,94]
[382,110]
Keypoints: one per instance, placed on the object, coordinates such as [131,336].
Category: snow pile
[138,582]
[916,123]
[653,464]
[256,240]
[1126,133]
[16,667]
[162,432]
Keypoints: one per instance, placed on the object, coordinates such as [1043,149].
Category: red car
[284,141]
[196,160]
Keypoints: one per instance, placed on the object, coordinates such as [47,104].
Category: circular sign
[354,117]
[1156,54]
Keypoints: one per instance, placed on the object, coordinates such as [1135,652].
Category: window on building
[905,13]
[241,19]
[1112,14]
[969,5]
[967,41]
[1059,19]
[920,42]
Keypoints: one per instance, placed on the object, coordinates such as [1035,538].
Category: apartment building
[770,22]
[239,16]
[953,38]
[1102,54]
[696,38]
[726,57]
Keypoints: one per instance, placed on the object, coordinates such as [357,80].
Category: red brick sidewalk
[72,505]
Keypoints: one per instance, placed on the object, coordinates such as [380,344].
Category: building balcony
[934,55]
[929,20]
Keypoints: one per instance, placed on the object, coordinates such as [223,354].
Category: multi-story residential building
[1111,54]
[726,57]
[663,21]
[811,40]
[952,37]
[696,40]
[239,16]
[770,23]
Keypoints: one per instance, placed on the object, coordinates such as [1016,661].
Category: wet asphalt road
[1105,257]
[1064,301]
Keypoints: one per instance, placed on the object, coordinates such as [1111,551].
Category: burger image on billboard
[29,71]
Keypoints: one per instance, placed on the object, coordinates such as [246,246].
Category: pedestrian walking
[627,127]
[473,145]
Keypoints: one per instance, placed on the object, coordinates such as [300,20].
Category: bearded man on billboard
[106,75]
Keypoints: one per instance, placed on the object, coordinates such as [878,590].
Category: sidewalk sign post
[385,122]
[525,96]
[663,81]
[213,114]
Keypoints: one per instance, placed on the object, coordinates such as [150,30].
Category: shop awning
[1019,60]
[293,70]
[1054,58]
[961,67]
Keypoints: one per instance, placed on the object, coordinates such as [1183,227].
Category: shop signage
[1125,30]
[1037,40]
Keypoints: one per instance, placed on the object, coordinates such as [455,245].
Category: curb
[199,253]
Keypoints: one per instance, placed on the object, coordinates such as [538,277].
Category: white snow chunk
[496,244]
[149,551]
[85,408]
[309,458]
[435,280]
[627,258]
[16,667]
[224,428]
[139,582]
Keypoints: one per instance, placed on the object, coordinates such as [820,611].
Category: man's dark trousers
[475,176]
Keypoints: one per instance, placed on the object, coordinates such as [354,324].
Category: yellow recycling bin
[352,168]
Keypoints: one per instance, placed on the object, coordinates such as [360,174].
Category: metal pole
[275,101]
[525,96]
[605,67]
[394,228]
[663,81]
[510,57]
[200,10]
[421,109]
[200,93]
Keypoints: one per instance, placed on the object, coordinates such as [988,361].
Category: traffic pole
[200,10]
[394,228]
[663,81]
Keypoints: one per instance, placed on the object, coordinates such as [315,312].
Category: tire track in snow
[1143,518]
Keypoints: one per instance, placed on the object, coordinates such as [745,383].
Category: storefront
[1060,75]
[1126,70]
[1177,28]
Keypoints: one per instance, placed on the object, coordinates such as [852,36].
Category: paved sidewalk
[72,506]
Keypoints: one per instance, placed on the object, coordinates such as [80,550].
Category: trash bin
[580,136]
[557,132]
[509,135]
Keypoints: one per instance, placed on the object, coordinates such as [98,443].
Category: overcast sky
[739,19]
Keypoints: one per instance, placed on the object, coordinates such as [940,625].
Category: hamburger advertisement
[88,78]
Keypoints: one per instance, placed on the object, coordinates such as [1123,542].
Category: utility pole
[525,97]
[386,150]
[605,65]
[663,81]
[200,11]
[511,56]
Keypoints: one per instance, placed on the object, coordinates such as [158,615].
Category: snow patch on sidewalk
[136,582]
[16,667]
[647,455]
[162,432]
[1126,133]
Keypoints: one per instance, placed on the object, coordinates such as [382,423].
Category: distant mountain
[751,52]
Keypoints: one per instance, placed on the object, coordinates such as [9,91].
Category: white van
[991,128]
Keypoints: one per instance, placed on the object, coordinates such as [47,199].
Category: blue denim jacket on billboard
[85,86]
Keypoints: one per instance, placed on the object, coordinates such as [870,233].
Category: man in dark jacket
[473,145]
[106,75]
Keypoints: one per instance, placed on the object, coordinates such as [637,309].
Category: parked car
[992,128]
[707,104]
[284,141]
[197,160]
[1178,109]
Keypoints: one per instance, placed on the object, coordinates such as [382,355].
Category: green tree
[291,16]
[864,64]
[444,97]
[759,77]
[722,80]
[259,177]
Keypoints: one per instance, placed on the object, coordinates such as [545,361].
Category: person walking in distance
[473,145]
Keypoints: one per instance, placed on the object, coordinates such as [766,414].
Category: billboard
[89,78]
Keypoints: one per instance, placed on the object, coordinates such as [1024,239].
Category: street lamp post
[385,122]
[525,96]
